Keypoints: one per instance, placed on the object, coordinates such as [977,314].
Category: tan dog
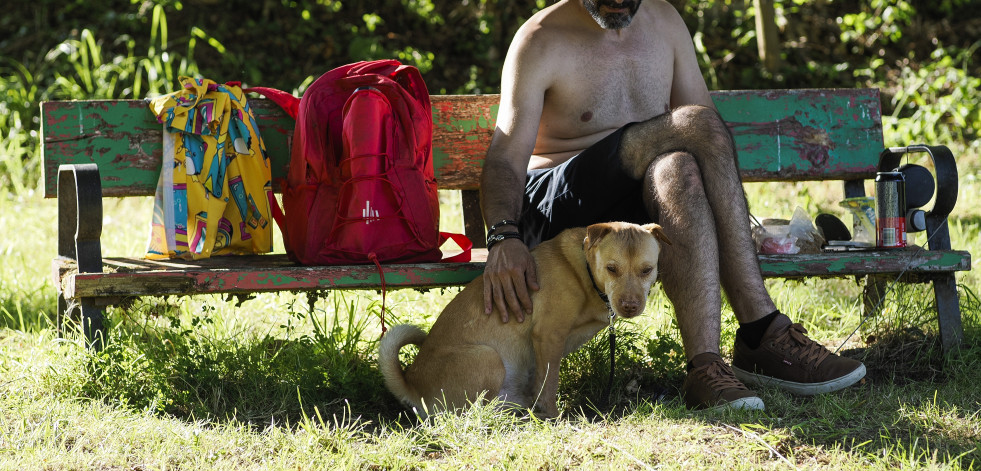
[468,353]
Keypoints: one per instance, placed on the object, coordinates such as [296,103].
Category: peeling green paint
[440,160]
[804,130]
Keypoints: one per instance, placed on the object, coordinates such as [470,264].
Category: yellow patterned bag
[214,189]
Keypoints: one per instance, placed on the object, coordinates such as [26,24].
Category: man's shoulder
[548,33]
[662,16]
[552,22]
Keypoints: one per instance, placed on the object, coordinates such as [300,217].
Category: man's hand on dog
[508,275]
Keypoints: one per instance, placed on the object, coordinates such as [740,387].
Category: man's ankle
[701,360]
[751,333]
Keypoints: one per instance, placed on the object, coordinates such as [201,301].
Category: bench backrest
[785,135]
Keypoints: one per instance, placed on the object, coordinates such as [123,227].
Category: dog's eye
[647,271]
[612,269]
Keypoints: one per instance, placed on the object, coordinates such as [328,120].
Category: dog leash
[613,346]
[610,329]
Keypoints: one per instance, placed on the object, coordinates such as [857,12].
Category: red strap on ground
[381,275]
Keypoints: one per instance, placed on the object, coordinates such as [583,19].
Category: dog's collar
[602,295]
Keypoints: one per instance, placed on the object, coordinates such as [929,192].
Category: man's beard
[612,20]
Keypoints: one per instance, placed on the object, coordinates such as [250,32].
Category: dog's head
[623,259]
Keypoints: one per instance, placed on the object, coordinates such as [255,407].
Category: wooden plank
[137,277]
[119,136]
[245,274]
[814,134]
[782,135]
[124,139]
[806,134]
[463,126]
[877,262]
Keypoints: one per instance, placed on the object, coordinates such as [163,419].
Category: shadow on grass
[915,405]
[913,402]
[155,361]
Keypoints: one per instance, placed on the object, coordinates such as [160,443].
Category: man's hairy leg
[689,267]
[700,132]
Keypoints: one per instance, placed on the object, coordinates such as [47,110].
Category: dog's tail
[388,362]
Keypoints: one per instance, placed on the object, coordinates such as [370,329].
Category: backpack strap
[381,276]
[289,103]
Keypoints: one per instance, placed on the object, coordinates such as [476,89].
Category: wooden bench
[98,149]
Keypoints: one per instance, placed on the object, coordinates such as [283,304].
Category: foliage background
[919,52]
[460,45]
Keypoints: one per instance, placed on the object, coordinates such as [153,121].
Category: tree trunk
[766,35]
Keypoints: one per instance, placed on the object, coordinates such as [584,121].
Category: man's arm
[688,86]
[510,271]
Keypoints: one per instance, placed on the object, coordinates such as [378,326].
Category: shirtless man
[605,116]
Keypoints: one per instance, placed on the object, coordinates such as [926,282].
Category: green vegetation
[282,381]
[919,53]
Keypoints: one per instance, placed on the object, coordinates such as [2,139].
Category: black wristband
[502,223]
[494,239]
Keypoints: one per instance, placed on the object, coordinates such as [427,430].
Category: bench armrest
[946,176]
[80,216]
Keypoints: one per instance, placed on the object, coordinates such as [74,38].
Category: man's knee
[676,173]
[693,129]
[703,125]
[687,128]
[677,168]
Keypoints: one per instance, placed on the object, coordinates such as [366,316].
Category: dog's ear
[658,232]
[596,232]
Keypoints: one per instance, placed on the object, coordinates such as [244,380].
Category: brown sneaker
[711,385]
[789,359]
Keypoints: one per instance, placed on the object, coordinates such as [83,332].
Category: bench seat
[112,148]
[133,277]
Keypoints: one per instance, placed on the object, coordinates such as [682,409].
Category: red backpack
[360,187]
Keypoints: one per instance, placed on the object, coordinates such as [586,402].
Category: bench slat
[245,274]
[463,126]
[124,277]
[809,134]
[125,140]
[805,134]
[878,262]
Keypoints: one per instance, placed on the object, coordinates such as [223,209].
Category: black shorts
[590,187]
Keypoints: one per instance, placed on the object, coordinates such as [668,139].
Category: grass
[284,381]
[277,382]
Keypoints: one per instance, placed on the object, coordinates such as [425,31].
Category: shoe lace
[720,378]
[801,346]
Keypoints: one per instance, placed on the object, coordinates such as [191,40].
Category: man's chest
[608,88]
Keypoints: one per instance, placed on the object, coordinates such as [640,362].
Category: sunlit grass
[288,381]
[257,387]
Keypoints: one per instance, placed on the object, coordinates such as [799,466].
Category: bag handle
[289,103]
[461,240]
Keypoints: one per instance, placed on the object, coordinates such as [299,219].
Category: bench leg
[948,312]
[62,314]
[92,328]
[873,295]
[79,239]
[948,307]
[473,222]
[87,315]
